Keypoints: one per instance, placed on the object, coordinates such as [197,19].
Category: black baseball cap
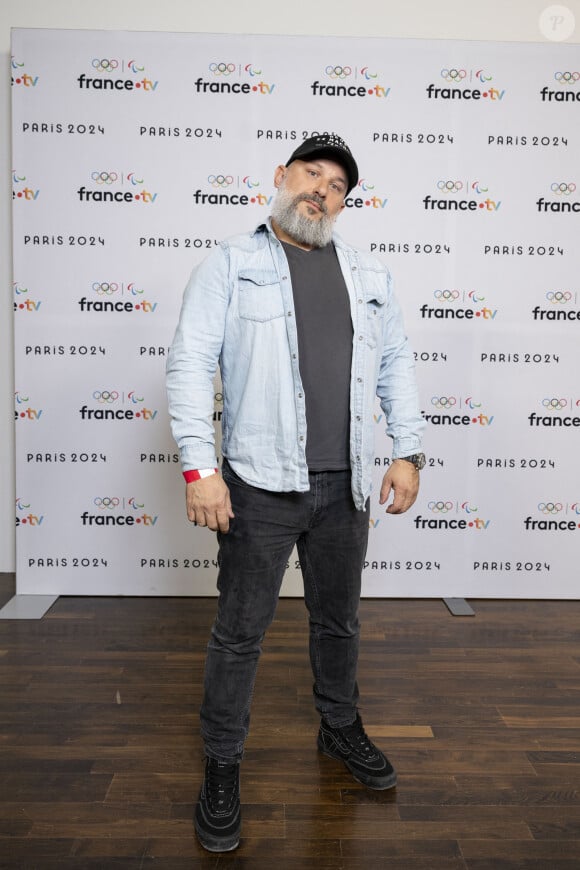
[332,146]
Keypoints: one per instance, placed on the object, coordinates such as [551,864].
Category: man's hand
[403,479]
[208,503]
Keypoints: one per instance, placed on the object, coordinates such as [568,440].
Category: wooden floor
[100,758]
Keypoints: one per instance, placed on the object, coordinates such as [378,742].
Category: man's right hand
[208,503]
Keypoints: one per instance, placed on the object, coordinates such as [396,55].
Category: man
[306,332]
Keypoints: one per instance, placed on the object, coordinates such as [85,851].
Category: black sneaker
[218,820]
[352,745]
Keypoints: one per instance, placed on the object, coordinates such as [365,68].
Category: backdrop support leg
[459,607]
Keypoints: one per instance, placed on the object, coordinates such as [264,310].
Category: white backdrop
[135,152]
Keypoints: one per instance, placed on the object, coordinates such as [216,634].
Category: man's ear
[279,175]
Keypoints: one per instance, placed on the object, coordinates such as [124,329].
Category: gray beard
[314,232]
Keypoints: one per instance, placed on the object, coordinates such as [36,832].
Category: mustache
[313,197]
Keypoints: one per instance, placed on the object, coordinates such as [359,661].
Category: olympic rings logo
[220,180]
[567,78]
[440,507]
[104,288]
[108,396]
[443,401]
[453,75]
[446,295]
[338,72]
[550,507]
[554,404]
[561,296]
[106,502]
[222,69]
[104,177]
[104,64]
[450,186]
[563,188]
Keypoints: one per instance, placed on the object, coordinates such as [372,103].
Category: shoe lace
[221,783]
[359,739]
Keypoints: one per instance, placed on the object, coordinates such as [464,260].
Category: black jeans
[331,538]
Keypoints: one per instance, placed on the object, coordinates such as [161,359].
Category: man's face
[310,198]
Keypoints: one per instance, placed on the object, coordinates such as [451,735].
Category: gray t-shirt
[324,327]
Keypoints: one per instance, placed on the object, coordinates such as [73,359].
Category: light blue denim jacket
[238,311]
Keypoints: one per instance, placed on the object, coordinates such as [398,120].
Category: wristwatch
[417,459]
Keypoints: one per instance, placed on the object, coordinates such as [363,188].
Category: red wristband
[196,474]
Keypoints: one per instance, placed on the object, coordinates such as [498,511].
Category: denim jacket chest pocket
[259,295]
[375,297]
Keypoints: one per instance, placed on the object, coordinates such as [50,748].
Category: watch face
[418,460]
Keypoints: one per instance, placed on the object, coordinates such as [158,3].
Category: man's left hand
[403,479]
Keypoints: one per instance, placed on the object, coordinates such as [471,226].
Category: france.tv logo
[23,302]
[556,516]
[450,514]
[25,516]
[457,195]
[565,80]
[560,191]
[450,410]
[116,296]
[365,196]
[107,72]
[453,304]
[113,510]
[349,81]
[118,405]
[457,85]
[221,186]
[227,77]
[113,186]
[23,409]
[20,76]
[21,188]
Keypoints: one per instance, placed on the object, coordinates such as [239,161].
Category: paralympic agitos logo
[350,81]
[109,185]
[227,77]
